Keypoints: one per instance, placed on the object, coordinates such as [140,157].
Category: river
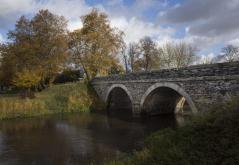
[74,139]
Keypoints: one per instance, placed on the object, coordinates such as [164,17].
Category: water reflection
[2,145]
[73,139]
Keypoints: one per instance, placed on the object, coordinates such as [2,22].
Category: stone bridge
[190,89]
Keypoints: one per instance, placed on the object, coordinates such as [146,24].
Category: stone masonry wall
[205,84]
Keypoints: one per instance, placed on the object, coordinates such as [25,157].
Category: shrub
[68,76]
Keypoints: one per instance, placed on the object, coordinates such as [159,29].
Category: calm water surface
[74,139]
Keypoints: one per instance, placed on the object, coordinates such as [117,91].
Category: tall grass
[14,107]
[72,97]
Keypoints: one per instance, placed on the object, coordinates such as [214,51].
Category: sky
[207,24]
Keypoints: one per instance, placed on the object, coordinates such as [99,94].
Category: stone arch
[118,86]
[172,86]
[119,102]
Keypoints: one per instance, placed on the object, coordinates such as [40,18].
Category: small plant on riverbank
[209,138]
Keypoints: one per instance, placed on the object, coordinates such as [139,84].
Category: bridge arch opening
[119,102]
[166,98]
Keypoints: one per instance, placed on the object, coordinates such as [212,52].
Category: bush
[68,76]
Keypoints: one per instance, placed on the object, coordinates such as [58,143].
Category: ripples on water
[74,139]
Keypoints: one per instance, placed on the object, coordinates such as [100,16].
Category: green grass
[208,139]
[71,97]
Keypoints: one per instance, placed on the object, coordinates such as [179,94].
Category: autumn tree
[134,57]
[96,45]
[176,55]
[184,54]
[168,55]
[149,54]
[8,64]
[50,44]
[130,55]
[37,45]
[1,69]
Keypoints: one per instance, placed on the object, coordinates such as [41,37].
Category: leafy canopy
[95,46]
[36,45]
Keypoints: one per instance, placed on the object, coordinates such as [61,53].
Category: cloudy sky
[208,24]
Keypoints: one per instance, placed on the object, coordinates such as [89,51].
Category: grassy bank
[208,139]
[72,97]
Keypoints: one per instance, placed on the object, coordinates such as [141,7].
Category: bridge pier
[136,111]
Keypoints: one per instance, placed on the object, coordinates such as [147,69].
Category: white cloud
[1,38]
[135,29]
[208,23]
[234,42]
[206,59]
[71,10]
[11,6]
[131,18]
[121,16]
[163,40]
[11,10]
[199,42]
[117,8]
[74,24]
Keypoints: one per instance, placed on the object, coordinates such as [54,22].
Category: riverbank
[64,98]
[209,138]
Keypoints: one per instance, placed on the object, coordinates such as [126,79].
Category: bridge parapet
[210,70]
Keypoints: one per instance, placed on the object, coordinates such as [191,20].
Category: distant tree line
[146,55]
[229,53]
[40,50]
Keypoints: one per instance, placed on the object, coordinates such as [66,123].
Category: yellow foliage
[26,79]
[96,45]
[40,42]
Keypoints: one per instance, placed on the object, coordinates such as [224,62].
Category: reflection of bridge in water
[170,91]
